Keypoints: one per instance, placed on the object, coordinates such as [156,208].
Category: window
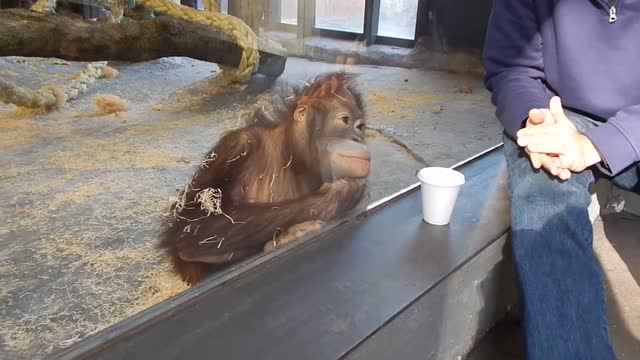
[289,11]
[389,22]
[340,15]
[224,5]
[398,18]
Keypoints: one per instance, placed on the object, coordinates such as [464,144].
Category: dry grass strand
[109,73]
[110,104]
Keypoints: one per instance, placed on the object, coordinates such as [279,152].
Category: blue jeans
[559,279]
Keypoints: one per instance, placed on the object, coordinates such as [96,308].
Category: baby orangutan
[273,181]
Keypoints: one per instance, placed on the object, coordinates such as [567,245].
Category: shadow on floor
[503,342]
[622,232]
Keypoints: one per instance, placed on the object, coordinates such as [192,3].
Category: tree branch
[31,34]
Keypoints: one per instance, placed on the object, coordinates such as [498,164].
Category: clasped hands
[553,142]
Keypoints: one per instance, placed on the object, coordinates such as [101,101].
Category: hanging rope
[233,27]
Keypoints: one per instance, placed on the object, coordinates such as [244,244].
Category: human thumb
[536,117]
[564,162]
[555,106]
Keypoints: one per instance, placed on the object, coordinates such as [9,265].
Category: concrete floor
[82,194]
[617,247]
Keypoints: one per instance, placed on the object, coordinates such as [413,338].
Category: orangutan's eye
[345,119]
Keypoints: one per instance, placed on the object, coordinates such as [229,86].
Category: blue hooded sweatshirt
[585,51]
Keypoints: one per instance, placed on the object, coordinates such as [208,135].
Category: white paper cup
[440,188]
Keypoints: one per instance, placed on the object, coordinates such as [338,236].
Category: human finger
[564,174]
[551,147]
[563,161]
[535,159]
[543,140]
[548,164]
[548,117]
[543,129]
[536,117]
[555,107]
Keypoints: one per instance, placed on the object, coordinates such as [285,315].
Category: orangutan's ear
[301,113]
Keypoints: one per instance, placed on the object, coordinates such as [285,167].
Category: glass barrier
[148,145]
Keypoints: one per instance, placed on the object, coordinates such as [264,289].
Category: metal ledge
[325,296]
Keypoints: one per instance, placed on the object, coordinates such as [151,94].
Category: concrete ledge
[447,322]
[384,275]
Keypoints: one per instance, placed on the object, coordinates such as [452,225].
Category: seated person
[565,81]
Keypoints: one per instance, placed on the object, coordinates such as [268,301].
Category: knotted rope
[51,97]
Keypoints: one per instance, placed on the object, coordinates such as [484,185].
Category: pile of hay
[110,104]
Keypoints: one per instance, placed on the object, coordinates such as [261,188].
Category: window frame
[370,32]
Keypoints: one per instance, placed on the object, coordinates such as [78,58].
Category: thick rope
[80,84]
[45,98]
[51,97]
[233,27]
[44,6]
